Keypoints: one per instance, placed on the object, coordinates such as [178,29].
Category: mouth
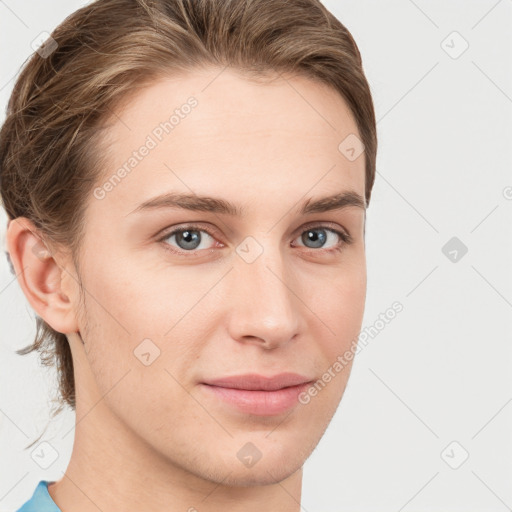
[257,394]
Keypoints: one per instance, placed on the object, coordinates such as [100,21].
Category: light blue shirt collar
[41,501]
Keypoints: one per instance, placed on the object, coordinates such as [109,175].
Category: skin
[149,437]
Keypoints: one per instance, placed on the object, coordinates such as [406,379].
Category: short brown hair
[109,49]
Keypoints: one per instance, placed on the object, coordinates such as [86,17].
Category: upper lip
[253,381]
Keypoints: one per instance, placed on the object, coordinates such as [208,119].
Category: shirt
[41,501]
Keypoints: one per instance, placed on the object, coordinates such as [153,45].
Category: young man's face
[265,291]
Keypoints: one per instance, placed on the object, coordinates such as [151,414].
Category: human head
[111,53]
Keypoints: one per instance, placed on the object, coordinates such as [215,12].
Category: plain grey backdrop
[425,423]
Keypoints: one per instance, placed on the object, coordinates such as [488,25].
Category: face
[252,284]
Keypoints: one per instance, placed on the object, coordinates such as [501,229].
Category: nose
[265,307]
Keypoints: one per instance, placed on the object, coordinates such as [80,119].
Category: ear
[41,276]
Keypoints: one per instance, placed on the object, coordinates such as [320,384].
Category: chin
[266,474]
[231,472]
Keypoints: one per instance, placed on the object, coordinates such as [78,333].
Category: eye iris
[186,236]
[310,235]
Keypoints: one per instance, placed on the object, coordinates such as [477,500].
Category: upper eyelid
[166,232]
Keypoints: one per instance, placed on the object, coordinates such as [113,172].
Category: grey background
[434,385]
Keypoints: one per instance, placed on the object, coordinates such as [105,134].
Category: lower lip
[262,403]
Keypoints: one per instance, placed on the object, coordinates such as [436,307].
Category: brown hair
[109,49]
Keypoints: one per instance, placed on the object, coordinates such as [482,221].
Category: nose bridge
[264,304]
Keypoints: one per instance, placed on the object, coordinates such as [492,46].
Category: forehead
[204,130]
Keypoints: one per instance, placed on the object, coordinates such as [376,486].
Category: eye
[316,237]
[194,239]
[188,238]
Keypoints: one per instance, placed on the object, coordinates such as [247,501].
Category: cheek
[343,304]
[140,376]
[149,295]
[135,316]
[130,301]
[341,310]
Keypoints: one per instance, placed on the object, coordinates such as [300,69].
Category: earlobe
[40,275]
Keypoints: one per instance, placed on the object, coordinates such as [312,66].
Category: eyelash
[344,236]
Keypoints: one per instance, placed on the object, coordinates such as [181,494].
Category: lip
[256,382]
[257,394]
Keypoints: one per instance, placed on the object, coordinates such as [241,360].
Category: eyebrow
[195,202]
